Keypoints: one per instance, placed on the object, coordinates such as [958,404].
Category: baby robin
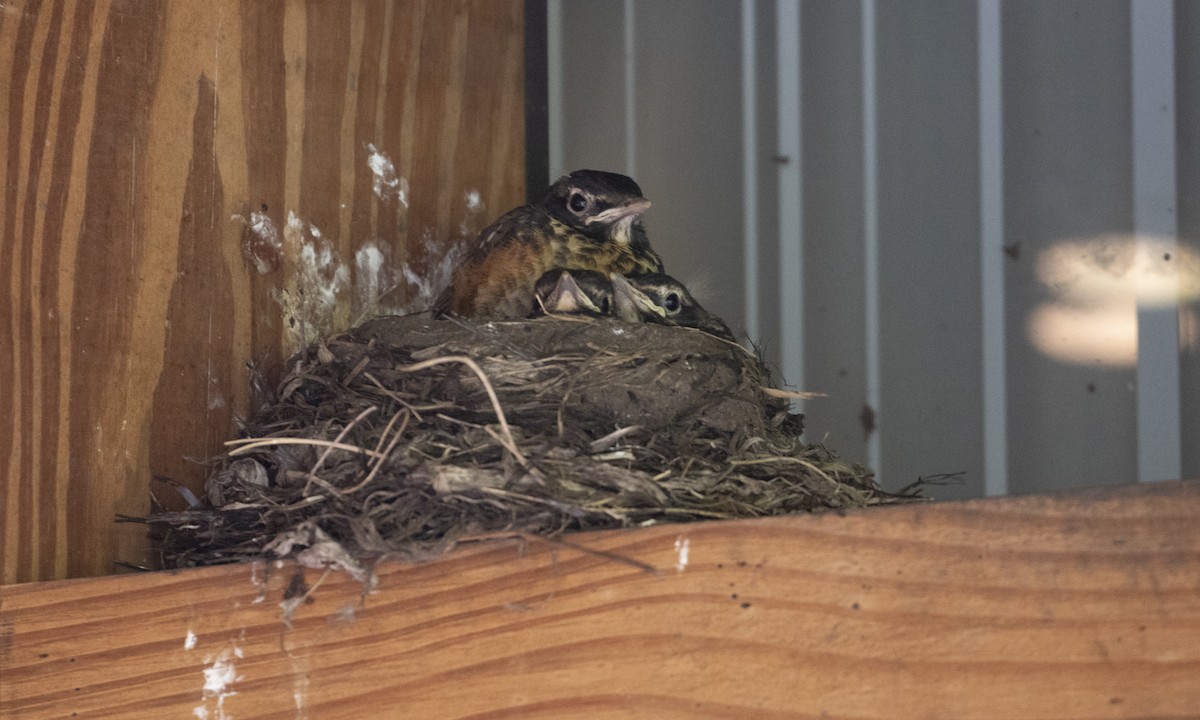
[659,298]
[588,220]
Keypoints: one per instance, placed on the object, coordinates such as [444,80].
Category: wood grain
[1075,606]
[139,138]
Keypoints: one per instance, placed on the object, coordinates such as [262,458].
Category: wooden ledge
[1069,606]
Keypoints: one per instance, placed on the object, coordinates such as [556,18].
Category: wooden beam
[1083,605]
[151,155]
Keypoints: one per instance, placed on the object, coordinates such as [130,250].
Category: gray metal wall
[954,218]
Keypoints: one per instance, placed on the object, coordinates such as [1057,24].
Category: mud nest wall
[405,436]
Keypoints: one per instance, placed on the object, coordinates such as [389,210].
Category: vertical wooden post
[188,187]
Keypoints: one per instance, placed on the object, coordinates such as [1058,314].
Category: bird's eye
[671,302]
[577,202]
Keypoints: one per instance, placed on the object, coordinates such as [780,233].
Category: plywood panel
[153,155]
[1037,607]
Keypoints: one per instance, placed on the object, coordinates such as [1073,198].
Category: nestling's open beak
[631,304]
[568,297]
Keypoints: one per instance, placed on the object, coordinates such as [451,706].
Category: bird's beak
[629,209]
[568,297]
[631,304]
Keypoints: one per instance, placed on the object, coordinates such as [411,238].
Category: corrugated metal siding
[835,294]
[918,257]
[929,419]
[1187,143]
[1068,176]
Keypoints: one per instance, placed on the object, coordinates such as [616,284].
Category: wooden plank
[139,138]
[1084,605]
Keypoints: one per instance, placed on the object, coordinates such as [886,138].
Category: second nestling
[648,297]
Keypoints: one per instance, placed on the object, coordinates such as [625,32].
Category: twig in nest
[248,444]
[732,343]
[511,446]
[362,365]
[387,429]
[837,486]
[613,438]
[312,474]
[954,478]
[415,409]
[379,462]
[509,443]
[790,394]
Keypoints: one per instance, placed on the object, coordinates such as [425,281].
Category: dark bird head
[602,205]
[659,298]
[583,292]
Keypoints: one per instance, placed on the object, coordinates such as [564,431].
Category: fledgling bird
[572,292]
[588,220]
[659,298]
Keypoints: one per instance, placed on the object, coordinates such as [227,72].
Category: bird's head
[659,298]
[601,205]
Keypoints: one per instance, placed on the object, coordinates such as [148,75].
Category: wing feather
[500,233]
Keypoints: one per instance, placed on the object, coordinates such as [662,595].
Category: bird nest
[406,436]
